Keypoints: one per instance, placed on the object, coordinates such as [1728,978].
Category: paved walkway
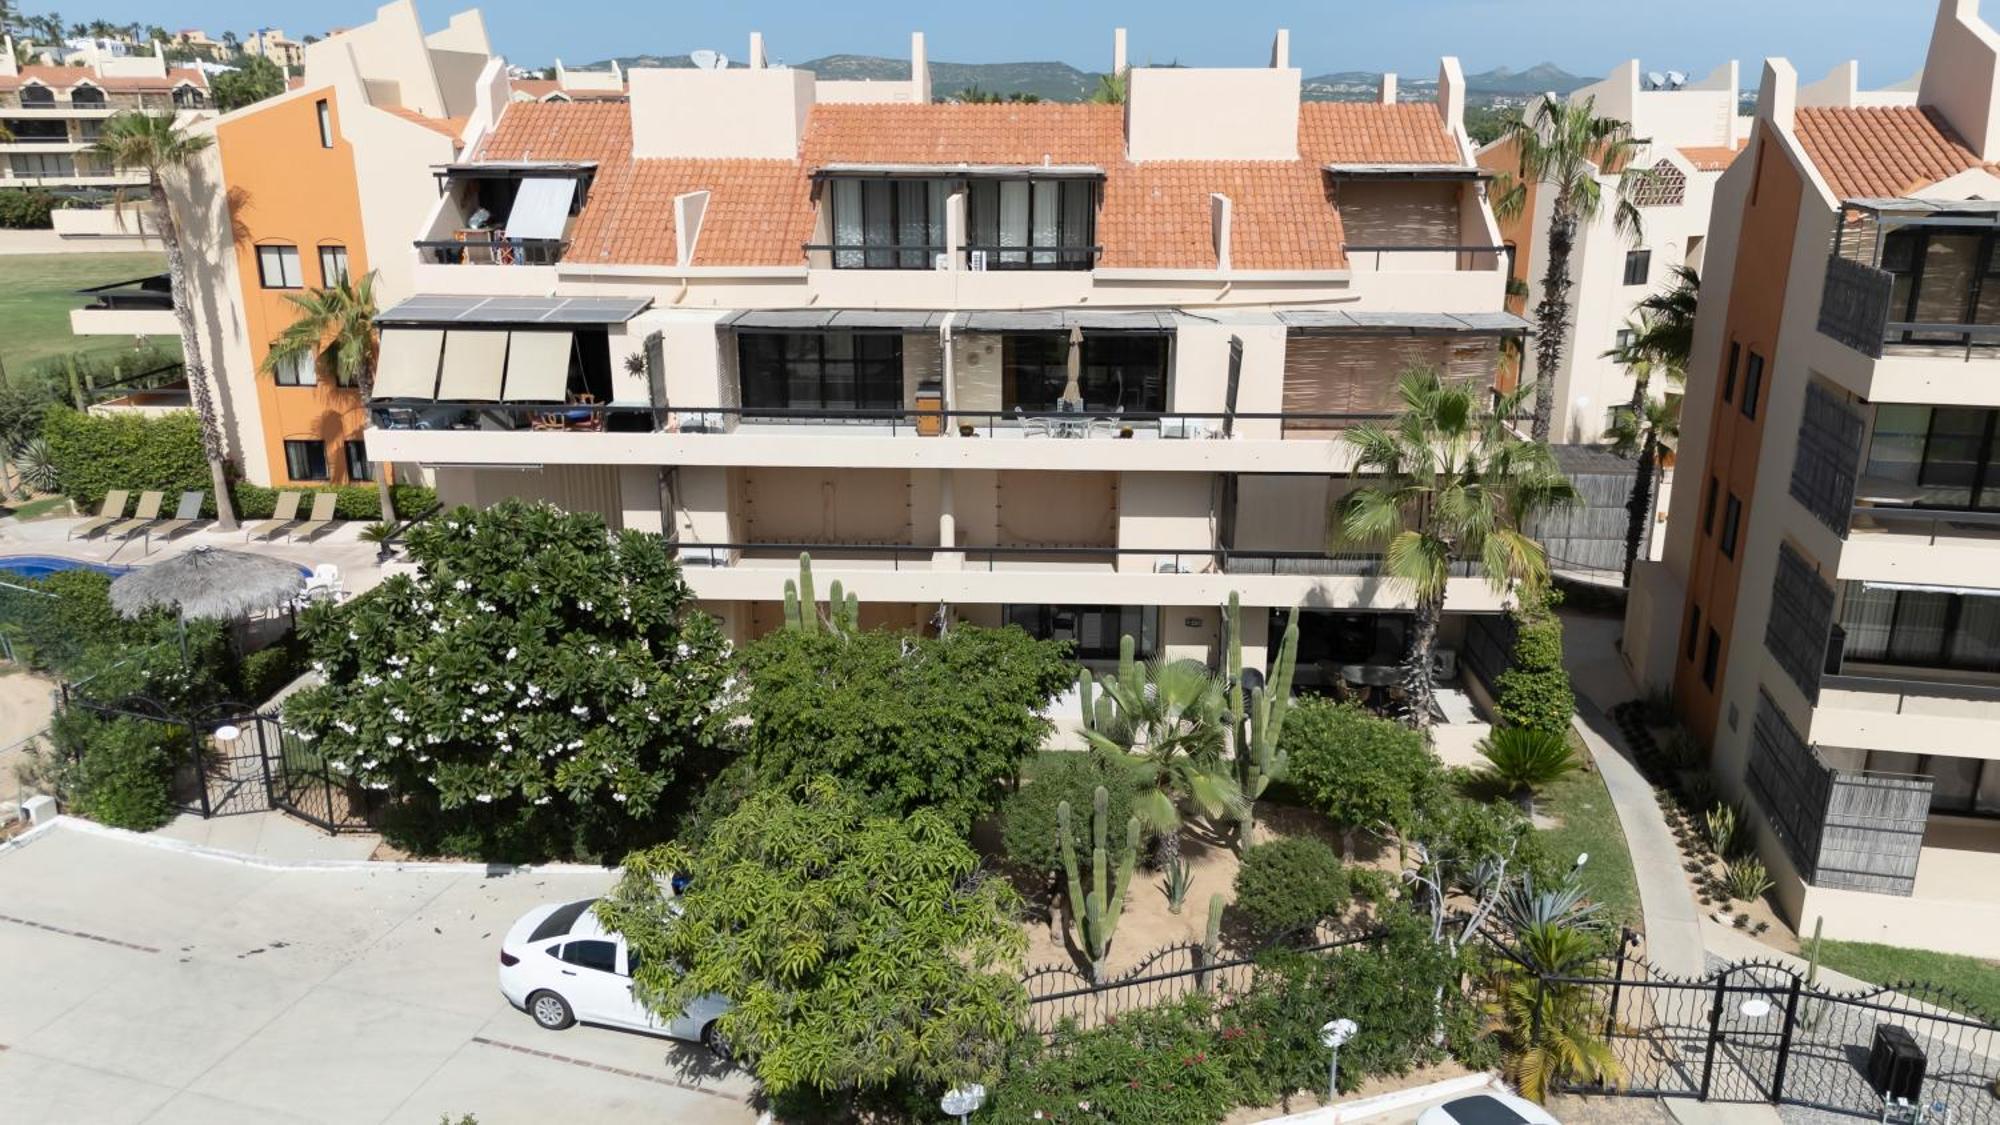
[1673,925]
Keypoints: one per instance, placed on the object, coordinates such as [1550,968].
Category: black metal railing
[988,256]
[393,414]
[1164,560]
[1463,257]
[498,252]
[880,255]
[1905,689]
[1925,526]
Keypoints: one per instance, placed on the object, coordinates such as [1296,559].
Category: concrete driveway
[143,983]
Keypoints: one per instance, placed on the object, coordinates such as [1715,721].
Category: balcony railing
[1854,309]
[1165,560]
[1392,258]
[979,256]
[1926,526]
[1052,424]
[499,252]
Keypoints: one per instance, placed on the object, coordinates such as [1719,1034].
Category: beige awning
[407,365]
[538,366]
[473,360]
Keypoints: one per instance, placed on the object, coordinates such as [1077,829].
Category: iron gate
[1758,1031]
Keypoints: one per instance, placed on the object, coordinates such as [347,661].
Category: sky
[1407,36]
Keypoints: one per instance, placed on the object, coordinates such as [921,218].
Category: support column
[947,557]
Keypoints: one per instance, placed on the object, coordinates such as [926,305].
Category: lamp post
[1332,1034]
[963,1101]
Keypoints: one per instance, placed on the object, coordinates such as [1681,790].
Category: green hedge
[1535,692]
[356,501]
[94,455]
[26,209]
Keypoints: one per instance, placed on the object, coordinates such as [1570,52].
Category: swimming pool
[41,566]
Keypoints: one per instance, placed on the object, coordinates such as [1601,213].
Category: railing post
[1785,1041]
[1626,940]
[1714,1033]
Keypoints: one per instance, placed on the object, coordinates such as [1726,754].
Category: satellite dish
[705,59]
[1655,80]
[1677,78]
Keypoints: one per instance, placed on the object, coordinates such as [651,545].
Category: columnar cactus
[843,610]
[808,604]
[1096,912]
[1259,715]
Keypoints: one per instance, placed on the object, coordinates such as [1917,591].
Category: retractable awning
[1062,320]
[406,365]
[827,320]
[541,208]
[1920,588]
[445,311]
[1327,322]
[472,364]
[969,171]
[538,366]
[1407,171]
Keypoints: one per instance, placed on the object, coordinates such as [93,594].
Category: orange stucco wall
[285,187]
[1756,310]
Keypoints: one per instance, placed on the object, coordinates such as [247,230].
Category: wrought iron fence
[1759,1032]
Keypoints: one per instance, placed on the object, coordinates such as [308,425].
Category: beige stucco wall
[1196,113]
[674,112]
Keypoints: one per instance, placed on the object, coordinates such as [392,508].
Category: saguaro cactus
[1258,714]
[1096,912]
[843,611]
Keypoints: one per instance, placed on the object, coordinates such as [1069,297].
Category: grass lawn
[36,509]
[1590,824]
[37,292]
[1978,981]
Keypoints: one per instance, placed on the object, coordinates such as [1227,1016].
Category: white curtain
[1047,211]
[847,222]
[1014,218]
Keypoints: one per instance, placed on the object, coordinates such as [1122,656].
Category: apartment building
[299,191]
[53,114]
[1081,368]
[1689,134]
[270,43]
[1827,613]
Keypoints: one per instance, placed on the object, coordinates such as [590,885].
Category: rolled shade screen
[407,365]
[541,207]
[538,367]
[473,361]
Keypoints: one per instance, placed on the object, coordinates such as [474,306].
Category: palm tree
[1561,149]
[1523,759]
[1446,481]
[1111,88]
[1171,715]
[157,144]
[1662,339]
[337,321]
[1553,1028]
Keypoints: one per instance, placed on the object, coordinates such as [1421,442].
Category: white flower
[394,740]
[512,652]
[683,651]
[618,797]
[479,689]
[639,689]
[465,714]
[580,711]
[584,606]
[461,585]
[484,798]
[542,800]
[534,691]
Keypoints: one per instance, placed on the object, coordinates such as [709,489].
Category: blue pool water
[41,566]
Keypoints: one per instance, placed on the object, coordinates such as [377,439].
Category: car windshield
[1483,1110]
[561,919]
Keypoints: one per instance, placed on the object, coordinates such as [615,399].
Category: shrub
[52,633]
[354,501]
[260,674]
[26,209]
[1290,884]
[1028,817]
[1523,759]
[114,771]
[1368,774]
[1746,879]
[95,454]
[1534,692]
[1166,1065]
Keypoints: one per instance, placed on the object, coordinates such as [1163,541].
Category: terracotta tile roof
[1153,215]
[536,88]
[1372,133]
[449,126]
[1878,152]
[64,77]
[1711,158]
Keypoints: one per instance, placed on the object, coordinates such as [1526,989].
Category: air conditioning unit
[1444,664]
[1171,566]
[977,259]
[941,261]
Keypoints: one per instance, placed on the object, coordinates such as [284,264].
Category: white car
[1496,1108]
[561,966]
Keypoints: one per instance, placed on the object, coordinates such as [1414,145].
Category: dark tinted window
[1694,632]
[1711,658]
[562,920]
[1753,383]
[599,955]
[1732,523]
[1729,373]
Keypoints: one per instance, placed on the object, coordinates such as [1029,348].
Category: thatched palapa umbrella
[208,583]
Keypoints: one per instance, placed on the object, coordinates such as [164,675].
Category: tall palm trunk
[365,383]
[191,365]
[1639,509]
[1417,673]
[1552,317]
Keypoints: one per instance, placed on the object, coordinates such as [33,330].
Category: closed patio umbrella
[206,582]
[1072,390]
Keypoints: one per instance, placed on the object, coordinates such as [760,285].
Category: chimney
[920,70]
[1218,220]
[1388,88]
[756,61]
[1451,93]
[1118,64]
[1778,94]
[1281,50]
[689,209]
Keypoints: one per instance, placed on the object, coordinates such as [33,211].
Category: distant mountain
[1061,82]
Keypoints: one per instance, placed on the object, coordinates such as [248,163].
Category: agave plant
[35,467]
[1719,825]
[1523,759]
[1524,909]
[1746,879]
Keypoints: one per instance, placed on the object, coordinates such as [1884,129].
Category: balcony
[1912,668]
[140,307]
[491,249]
[503,213]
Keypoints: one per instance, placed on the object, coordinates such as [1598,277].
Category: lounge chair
[144,516]
[283,516]
[112,511]
[320,520]
[185,516]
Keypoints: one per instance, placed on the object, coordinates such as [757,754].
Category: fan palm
[1561,150]
[1523,759]
[1446,481]
[337,322]
[1553,1027]
[1111,88]
[158,145]
[1171,716]
[1662,338]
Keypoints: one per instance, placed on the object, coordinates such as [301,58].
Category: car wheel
[550,1011]
[712,1038]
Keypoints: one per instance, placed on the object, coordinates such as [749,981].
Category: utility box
[1896,1064]
[930,410]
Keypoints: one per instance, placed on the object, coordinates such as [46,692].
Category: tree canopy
[254,79]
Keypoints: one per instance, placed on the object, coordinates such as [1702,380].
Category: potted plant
[967,429]
[1124,431]
[383,535]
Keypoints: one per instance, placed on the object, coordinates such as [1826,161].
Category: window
[1053,222]
[898,223]
[1034,369]
[1624,342]
[1753,384]
[1710,657]
[1094,630]
[1732,519]
[36,94]
[601,956]
[87,97]
[356,453]
[1708,507]
[833,371]
[1694,632]
[1968,786]
[35,164]
[1638,266]
[278,267]
[297,371]
[1729,373]
[332,266]
[187,97]
[1950,454]
[325,112]
[305,460]
[1921,628]
[1124,370]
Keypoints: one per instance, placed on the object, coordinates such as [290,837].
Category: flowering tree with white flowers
[535,670]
